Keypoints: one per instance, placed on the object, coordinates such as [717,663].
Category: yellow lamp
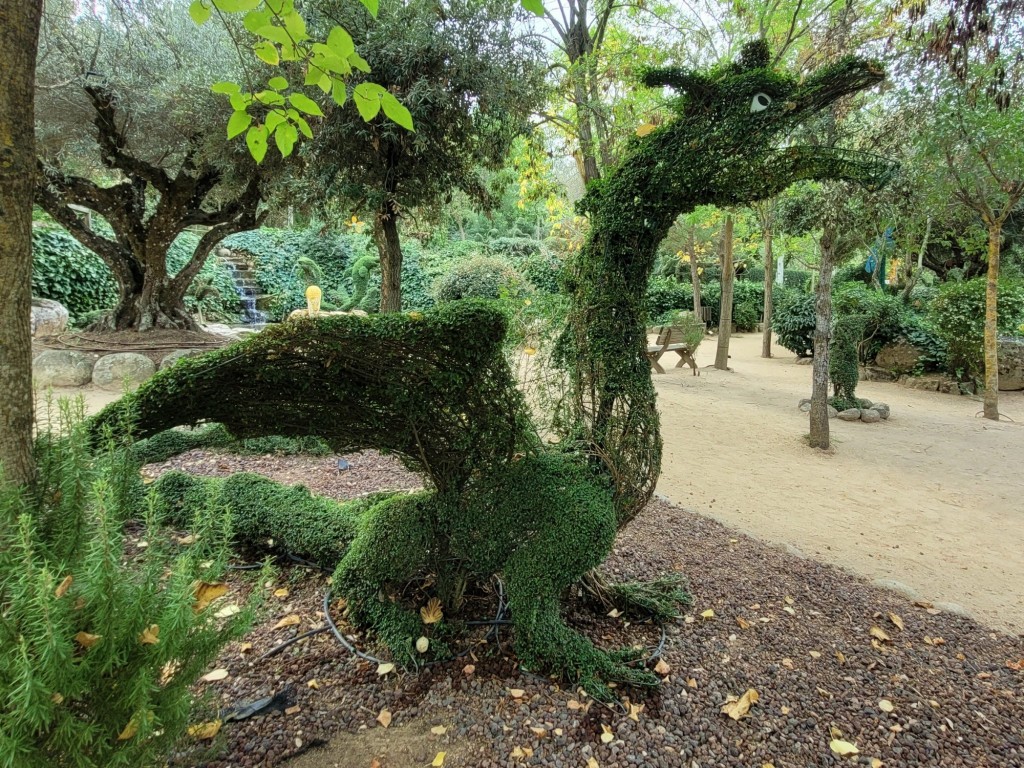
[313,296]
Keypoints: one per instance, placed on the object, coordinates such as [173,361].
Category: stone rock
[899,357]
[1011,364]
[179,354]
[48,317]
[967,387]
[850,414]
[882,409]
[832,412]
[224,253]
[870,416]
[805,401]
[805,406]
[949,387]
[62,368]
[120,369]
[928,383]
[219,329]
[804,360]
[874,373]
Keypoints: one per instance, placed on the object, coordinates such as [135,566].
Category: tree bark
[991,407]
[19,40]
[725,310]
[390,249]
[695,278]
[769,281]
[915,274]
[819,437]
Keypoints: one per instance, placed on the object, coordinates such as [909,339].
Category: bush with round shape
[793,321]
[480,278]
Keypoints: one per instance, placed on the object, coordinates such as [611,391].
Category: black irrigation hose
[337,632]
[281,646]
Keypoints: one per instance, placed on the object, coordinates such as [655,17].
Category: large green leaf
[267,52]
[225,87]
[199,11]
[286,135]
[535,7]
[396,111]
[371,6]
[277,83]
[256,139]
[339,42]
[238,122]
[367,99]
[305,104]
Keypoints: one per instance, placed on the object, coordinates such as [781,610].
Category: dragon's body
[435,388]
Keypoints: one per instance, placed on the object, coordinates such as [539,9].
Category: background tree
[470,79]
[128,128]
[19,36]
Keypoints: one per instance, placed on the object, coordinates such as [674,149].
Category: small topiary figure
[359,273]
[844,362]
[434,388]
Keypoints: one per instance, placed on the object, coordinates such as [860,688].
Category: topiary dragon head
[734,122]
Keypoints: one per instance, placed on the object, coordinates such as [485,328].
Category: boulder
[1011,364]
[179,354]
[220,329]
[62,368]
[899,357]
[882,409]
[928,383]
[870,416]
[48,317]
[850,414]
[874,373]
[224,253]
[805,405]
[122,369]
[832,412]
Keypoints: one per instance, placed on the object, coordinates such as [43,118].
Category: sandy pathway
[932,500]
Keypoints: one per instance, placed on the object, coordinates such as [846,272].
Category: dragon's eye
[760,102]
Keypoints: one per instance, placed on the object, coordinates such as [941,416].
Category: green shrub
[480,278]
[221,300]
[666,295]
[958,313]
[921,332]
[66,271]
[100,641]
[843,361]
[163,446]
[852,273]
[881,313]
[793,321]
[746,315]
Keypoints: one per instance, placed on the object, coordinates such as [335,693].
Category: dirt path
[929,501]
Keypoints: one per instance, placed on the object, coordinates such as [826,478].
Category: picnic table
[682,336]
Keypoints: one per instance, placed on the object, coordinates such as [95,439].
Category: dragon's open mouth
[868,170]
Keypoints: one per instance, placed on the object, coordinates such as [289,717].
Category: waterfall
[247,289]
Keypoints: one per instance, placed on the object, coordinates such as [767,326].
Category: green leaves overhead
[370,98]
[200,12]
[256,140]
[305,104]
[237,123]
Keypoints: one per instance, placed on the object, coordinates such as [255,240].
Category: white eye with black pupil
[760,102]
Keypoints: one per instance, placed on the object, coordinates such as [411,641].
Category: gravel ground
[830,657]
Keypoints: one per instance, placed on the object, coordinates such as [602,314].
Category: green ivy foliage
[958,313]
[881,314]
[164,445]
[66,271]
[843,361]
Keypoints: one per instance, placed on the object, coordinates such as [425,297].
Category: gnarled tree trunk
[19,39]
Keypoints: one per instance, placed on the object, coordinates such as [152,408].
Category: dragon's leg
[391,548]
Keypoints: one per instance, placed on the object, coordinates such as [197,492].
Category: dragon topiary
[434,389]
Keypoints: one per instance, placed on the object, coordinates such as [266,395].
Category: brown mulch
[797,631]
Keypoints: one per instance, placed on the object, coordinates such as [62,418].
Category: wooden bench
[682,336]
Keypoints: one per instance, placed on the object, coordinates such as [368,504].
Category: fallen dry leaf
[1016,665]
[788,599]
[815,654]
[785,710]
[227,611]
[439,730]
[244,647]
[737,708]
[214,676]
[540,733]
[743,623]
[516,693]
[293,710]
[708,614]
[634,711]
[787,663]
[291,620]
[876,763]
[606,734]
[282,593]
[64,586]
[840,657]
[432,613]
[615,613]
[206,592]
[886,706]
[468,670]
[843,748]
[574,705]
[385,668]
[87,640]
[662,667]
[789,609]
[691,682]
[521,753]
[314,684]
[592,763]
[879,634]
[895,619]
[204,731]
[150,635]
[422,644]
[384,718]
[438,760]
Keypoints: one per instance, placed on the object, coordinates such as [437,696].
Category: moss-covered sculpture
[844,361]
[434,388]
[359,273]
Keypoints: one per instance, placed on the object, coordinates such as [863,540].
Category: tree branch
[112,142]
